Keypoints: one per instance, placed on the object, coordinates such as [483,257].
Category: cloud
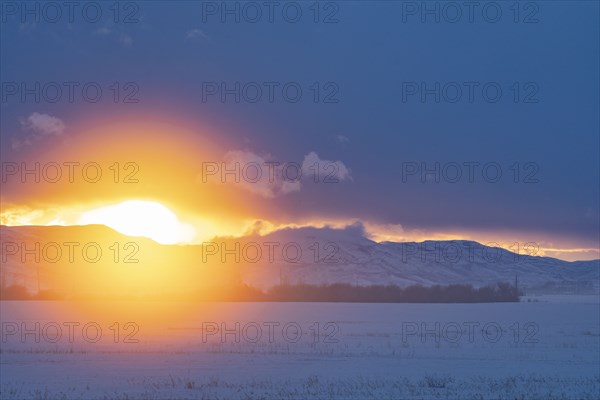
[125,40]
[259,176]
[197,34]
[269,178]
[342,138]
[36,127]
[324,170]
[19,216]
[115,33]
[385,232]
[103,31]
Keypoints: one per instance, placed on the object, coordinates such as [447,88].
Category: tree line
[338,292]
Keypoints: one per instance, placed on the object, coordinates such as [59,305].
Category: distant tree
[14,292]
[47,295]
[502,292]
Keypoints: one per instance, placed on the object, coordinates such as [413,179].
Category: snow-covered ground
[547,348]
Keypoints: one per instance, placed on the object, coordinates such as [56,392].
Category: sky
[419,120]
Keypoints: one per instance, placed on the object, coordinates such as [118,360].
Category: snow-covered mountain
[302,255]
[346,256]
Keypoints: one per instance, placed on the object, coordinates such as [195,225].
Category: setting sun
[141,218]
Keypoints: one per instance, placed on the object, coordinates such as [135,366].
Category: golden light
[142,218]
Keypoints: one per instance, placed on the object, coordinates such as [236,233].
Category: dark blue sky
[369,57]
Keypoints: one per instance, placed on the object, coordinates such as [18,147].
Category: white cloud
[36,127]
[115,33]
[266,180]
[268,177]
[125,40]
[385,232]
[324,170]
[197,34]
[342,138]
[103,31]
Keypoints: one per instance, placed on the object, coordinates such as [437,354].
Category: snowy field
[545,348]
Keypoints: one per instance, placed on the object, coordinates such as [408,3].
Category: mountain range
[30,257]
